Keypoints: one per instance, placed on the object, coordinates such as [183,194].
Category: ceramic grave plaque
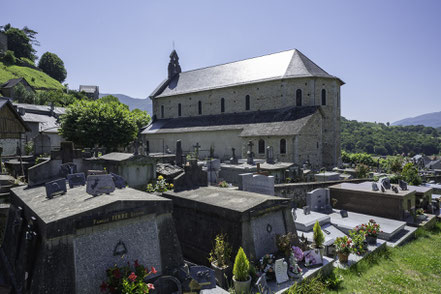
[281,269]
[100,184]
[343,213]
[312,258]
[96,172]
[55,187]
[77,179]
[403,185]
[119,181]
[204,276]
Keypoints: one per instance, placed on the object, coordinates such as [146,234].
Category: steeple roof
[281,65]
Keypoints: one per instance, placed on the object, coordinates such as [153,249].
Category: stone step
[6,180]
[5,188]
[4,196]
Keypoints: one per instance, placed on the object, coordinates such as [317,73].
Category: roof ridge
[191,70]
[302,56]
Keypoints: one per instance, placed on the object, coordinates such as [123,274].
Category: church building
[283,100]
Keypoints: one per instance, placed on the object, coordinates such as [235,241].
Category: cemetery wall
[10,146]
[50,169]
[298,191]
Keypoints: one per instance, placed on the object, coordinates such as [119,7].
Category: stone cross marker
[196,147]
[179,153]
[250,154]
[269,155]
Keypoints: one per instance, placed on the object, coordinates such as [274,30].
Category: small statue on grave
[294,270]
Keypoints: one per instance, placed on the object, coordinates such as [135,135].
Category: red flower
[103,287]
[132,277]
[117,273]
[136,263]
[154,271]
[151,287]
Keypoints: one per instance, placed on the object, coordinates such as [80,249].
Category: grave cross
[250,154]
[196,147]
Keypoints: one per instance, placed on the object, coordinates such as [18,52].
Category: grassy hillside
[37,79]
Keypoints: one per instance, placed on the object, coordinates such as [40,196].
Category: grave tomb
[383,203]
[257,183]
[319,200]
[137,170]
[65,244]
[250,220]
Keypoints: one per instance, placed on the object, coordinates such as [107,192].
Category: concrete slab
[389,227]
[353,258]
[330,232]
[325,269]
[305,223]
[404,236]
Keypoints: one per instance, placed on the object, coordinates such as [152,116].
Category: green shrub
[241,269]
[9,58]
[308,286]
[221,252]
[29,147]
[318,237]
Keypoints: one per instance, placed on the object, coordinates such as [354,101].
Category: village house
[90,91]
[283,100]
[8,88]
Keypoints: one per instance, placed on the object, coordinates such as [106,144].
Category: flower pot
[222,274]
[242,287]
[421,217]
[371,240]
[343,257]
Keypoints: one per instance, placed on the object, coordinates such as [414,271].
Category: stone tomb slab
[257,183]
[305,223]
[389,227]
[329,231]
[80,235]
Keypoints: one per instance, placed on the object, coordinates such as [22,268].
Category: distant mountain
[429,120]
[140,103]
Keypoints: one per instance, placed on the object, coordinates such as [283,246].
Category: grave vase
[371,240]
[222,274]
[242,287]
[343,257]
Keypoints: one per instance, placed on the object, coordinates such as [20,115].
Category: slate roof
[40,108]
[6,102]
[282,65]
[11,83]
[46,122]
[276,122]
[89,89]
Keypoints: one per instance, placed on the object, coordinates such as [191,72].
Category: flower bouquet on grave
[127,279]
[343,247]
[371,231]
[298,253]
[161,185]
[266,266]
[359,243]
[294,270]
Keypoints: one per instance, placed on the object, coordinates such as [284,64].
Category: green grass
[35,78]
[412,268]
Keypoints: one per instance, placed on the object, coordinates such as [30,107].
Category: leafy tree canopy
[90,123]
[19,42]
[51,64]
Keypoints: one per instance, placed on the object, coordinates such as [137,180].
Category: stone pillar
[178,153]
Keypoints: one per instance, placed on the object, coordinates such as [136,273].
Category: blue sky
[387,52]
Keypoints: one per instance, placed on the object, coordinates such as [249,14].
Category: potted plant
[220,259]
[343,247]
[359,243]
[266,264]
[371,231]
[420,214]
[318,238]
[284,243]
[241,273]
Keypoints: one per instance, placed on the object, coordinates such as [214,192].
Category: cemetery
[82,213]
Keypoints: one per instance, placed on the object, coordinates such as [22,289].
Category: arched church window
[323,97]
[200,107]
[299,97]
[282,146]
[162,111]
[222,105]
[179,109]
[261,146]
[247,102]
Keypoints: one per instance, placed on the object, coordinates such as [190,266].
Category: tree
[141,118]
[51,64]
[20,43]
[90,123]
[22,95]
[410,174]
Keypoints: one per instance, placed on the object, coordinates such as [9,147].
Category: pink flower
[154,271]
[151,287]
[132,277]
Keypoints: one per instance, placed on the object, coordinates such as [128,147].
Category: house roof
[45,122]
[281,65]
[276,122]
[6,102]
[89,89]
[13,82]
[41,109]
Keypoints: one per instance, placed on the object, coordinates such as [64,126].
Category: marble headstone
[257,183]
[281,270]
[119,181]
[385,182]
[319,200]
[269,155]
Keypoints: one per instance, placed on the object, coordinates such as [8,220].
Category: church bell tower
[173,67]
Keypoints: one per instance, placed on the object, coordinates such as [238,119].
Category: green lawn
[35,78]
[412,268]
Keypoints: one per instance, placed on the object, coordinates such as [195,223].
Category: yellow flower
[160,178]
[171,185]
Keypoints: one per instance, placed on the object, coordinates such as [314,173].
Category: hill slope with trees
[381,139]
